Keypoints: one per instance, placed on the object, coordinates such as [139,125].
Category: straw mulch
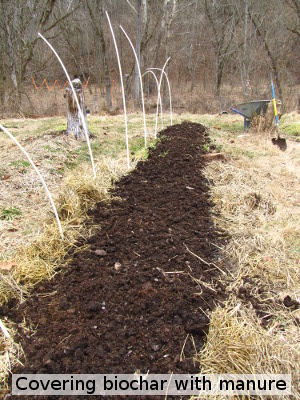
[256,197]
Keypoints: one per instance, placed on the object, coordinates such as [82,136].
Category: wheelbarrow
[250,110]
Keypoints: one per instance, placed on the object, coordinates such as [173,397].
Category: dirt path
[128,302]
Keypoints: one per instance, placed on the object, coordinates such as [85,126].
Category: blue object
[274,104]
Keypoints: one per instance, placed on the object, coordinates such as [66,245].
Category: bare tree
[270,45]
[20,22]
[213,41]
[76,33]
[97,17]
[138,53]
[168,16]
[222,20]
[244,44]
[293,24]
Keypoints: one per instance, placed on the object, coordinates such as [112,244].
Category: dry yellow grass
[237,344]
[256,195]
[10,354]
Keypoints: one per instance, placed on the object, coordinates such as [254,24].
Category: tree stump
[74,122]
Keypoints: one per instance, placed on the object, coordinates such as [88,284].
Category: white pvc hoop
[169,87]
[77,102]
[160,80]
[122,86]
[39,175]
[141,83]
[159,103]
[4,330]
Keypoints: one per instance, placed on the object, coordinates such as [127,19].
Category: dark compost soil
[128,302]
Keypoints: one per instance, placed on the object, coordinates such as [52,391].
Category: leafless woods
[217,47]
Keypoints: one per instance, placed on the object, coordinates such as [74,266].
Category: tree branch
[131,6]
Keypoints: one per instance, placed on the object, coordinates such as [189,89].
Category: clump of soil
[128,302]
[280,142]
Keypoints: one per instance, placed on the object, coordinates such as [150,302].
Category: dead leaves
[7,266]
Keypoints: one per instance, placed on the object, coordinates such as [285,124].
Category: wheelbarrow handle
[236,111]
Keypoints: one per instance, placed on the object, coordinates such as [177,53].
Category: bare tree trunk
[13,73]
[192,60]
[97,17]
[169,16]
[138,53]
[222,25]
[104,60]
[161,33]
[74,122]
[245,65]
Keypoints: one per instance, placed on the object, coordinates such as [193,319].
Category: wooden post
[74,122]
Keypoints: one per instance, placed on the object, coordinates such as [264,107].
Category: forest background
[222,52]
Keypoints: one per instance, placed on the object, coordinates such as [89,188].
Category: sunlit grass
[290,124]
